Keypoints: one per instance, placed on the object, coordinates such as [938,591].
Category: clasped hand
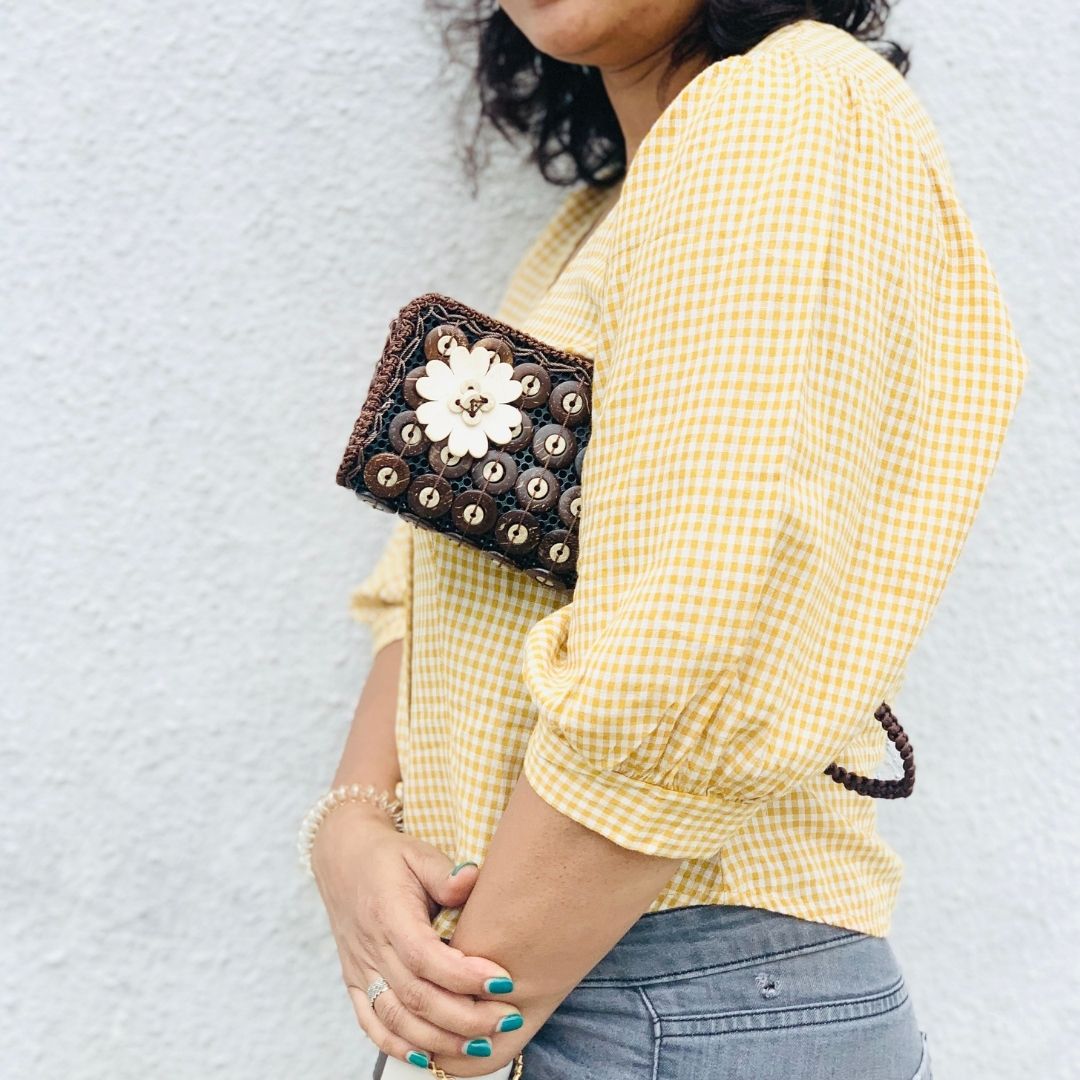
[381,889]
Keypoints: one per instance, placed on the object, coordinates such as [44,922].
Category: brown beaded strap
[871,786]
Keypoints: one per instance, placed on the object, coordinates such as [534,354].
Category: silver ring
[375,989]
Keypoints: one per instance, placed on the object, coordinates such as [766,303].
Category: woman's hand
[381,889]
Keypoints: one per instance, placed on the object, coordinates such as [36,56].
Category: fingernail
[510,1022]
[414,1057]
[478,1047]
[461,866]
[499,985]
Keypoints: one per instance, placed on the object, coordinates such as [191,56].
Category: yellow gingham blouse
[804,372]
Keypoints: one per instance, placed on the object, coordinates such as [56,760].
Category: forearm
[370,752]
[551,900]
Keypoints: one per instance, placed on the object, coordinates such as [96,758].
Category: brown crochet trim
[405,332]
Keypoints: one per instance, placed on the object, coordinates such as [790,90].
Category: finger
[448,884]
[383,1038]
[426,956]
[402,930]
[418,1032]
[461,1014]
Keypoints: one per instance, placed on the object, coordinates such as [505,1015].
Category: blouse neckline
[558,241]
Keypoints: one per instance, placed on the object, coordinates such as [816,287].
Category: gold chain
[519,1066]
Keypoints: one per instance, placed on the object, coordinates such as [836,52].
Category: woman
[622,855]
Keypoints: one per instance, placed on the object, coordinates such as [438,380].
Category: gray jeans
[724,992]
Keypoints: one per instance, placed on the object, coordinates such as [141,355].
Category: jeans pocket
[809,1044]
[842,1010]
[829,1011]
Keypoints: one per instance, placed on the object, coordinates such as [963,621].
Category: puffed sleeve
[807,380]
[379,600]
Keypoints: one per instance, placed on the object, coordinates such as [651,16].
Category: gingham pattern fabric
[804,372]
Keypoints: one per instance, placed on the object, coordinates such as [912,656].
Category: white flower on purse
[468,399]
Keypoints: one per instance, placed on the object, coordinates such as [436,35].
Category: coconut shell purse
[477,431]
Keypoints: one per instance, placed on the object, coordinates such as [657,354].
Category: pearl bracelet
[337,797]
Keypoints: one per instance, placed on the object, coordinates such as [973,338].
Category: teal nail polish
[461,866]
[500,985]
[414,1057]
[478,1048]
[510,1022]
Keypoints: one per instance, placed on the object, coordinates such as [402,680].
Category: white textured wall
[209,212]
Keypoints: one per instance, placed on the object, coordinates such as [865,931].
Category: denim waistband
[704,938]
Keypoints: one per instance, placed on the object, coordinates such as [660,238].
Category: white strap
[396,1069]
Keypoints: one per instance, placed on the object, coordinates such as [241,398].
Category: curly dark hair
[562,110]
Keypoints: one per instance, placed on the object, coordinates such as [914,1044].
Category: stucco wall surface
[209,212]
